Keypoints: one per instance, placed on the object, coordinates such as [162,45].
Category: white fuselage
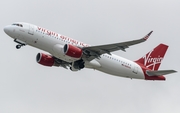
[47,40]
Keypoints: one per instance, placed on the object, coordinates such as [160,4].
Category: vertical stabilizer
[152,60]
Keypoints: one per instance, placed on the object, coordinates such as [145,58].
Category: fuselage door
[31,29]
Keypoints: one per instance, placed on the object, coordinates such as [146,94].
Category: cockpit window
[20,25]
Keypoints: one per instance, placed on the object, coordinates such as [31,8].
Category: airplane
[66,52]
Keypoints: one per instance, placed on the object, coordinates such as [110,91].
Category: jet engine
[67,52]
[72,51]
[46,60]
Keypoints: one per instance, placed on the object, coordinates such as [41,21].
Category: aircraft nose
[6,29]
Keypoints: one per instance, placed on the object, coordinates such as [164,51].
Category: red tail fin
[152,60]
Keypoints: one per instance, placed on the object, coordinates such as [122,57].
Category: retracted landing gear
[77,65]
[20,43]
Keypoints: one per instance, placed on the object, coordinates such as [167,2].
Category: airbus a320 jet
[75,55]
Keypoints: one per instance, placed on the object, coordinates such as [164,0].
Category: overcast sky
[27,87]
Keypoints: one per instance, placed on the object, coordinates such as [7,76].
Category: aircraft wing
[95,51]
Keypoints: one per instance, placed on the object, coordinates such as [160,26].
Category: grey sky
[27,87]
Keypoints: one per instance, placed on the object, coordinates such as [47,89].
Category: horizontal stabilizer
[159,73]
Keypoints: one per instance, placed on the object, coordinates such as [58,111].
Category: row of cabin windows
[117,60]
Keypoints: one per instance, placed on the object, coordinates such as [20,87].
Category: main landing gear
[20,44]
[77,65]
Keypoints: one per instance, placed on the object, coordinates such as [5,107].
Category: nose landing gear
[20,44]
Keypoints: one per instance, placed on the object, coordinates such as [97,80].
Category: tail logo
[152,61]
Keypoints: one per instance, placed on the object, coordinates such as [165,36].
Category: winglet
[147,36]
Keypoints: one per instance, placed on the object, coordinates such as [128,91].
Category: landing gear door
[31,30]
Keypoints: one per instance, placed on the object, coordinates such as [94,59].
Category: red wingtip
[147,36]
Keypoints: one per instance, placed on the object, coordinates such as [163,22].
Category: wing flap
[160,72]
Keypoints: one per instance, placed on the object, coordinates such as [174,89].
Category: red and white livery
[67,52]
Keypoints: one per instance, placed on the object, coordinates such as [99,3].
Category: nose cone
[6,29]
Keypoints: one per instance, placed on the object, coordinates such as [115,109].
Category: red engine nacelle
[72,51]
[44,59]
